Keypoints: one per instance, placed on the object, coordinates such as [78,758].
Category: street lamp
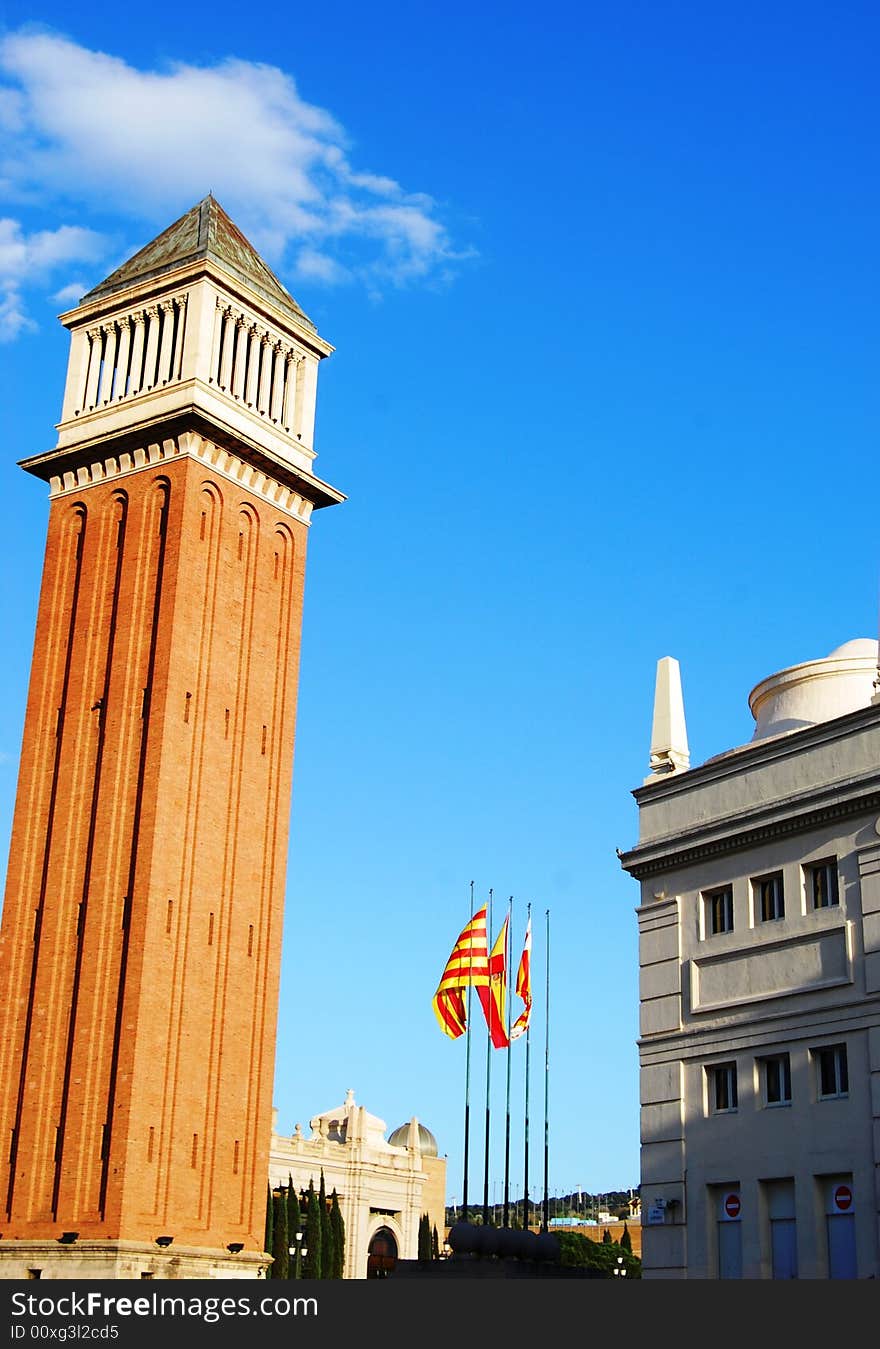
[298,1251]
[618,1268]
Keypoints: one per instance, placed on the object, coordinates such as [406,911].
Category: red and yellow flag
[492,992]
[468,964]
[524,985]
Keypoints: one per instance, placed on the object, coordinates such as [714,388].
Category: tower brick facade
[140,942]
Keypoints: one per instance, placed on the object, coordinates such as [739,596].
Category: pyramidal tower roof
[205,231]
[193,342]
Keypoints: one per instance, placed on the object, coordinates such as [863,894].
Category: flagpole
[488,1072]
[467,1070]
[507,1118]
[526,1123]
[545,1226]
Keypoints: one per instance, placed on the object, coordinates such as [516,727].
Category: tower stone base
[112,1260]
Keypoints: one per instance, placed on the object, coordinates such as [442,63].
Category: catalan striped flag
[524,985]
[468,964]
[492,992]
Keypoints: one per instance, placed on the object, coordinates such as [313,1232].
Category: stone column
[109,369]
[122,356]
[152,346]
[265,376]
[253,356]
[240,358]
[179,338]
[137,352]
[214,375]
[95,343]
[229,335]
[278,364]
[289,379]
[165,352]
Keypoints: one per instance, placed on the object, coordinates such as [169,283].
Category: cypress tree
[337,1224]
[435,1244]
[327,1257]
[626,1242]
[280,1242]
[606,1237]
[424,1246]
[294,1223]
[267,1236]
[312,1266]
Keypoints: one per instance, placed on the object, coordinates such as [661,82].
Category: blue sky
[603,284]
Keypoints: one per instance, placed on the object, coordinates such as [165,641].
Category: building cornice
[191,432]
[796,815]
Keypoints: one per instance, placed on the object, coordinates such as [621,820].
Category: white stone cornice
[191,445]
[662,855]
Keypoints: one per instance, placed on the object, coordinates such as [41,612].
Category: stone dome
[427,1142]
[816,690]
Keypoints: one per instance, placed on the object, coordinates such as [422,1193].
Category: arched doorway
[381,1254]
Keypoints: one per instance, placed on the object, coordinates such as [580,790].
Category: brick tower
[141,930]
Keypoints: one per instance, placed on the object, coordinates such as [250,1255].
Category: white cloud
[22,255]
[70,294]
[13,319]
[315,266]
[26,259]
[79,122]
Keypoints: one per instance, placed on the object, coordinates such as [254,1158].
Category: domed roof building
[402,1138]
[817,690]
[383,1185]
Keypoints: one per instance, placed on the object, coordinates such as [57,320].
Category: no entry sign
[732,1204]
[843,1198]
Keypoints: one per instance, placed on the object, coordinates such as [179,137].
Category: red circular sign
[843,1196]
[731,1205]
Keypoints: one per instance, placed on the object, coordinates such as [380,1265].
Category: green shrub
[579,1252]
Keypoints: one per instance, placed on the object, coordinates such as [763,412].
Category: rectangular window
[722,1087]
[822,883]
[769,897]
[718,910]
[776,1077]
[832,1073]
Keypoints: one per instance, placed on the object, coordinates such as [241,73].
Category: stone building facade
[383,1186]
[759,954]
